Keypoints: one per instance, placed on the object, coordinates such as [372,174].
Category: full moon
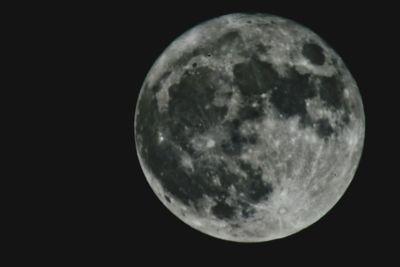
[249,127]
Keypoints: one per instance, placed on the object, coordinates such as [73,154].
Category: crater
[314,53]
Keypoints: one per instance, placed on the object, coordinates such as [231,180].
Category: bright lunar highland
[249,128]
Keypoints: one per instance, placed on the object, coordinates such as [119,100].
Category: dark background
[82,198]
[362,224]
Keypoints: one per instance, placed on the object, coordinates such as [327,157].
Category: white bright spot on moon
[187,162]
[210,143]
[282,210]
[160,137]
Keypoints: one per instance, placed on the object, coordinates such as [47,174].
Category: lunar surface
[249,128]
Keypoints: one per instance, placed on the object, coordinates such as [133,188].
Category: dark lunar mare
[290,92]
[185,118]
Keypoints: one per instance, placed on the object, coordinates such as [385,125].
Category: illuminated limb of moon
[249,127]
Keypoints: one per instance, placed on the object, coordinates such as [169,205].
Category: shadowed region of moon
[249,128]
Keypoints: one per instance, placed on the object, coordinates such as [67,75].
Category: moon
[249,127]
